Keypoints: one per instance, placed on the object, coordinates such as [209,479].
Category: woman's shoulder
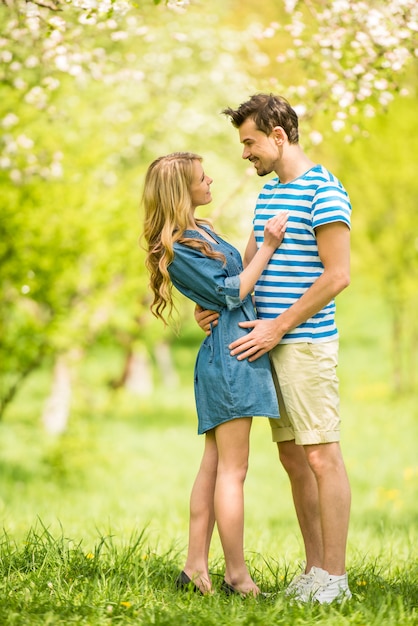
[182,250]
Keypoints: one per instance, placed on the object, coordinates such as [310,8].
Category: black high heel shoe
[184,582]
[229,590]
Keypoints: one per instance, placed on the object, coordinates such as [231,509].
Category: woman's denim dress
[225,388]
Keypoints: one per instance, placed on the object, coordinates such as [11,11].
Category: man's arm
[334,251]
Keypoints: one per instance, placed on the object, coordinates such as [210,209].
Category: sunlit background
[97,416]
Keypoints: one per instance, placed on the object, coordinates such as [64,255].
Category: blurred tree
[384,190]
[71,268]
[344,58]
[92,92]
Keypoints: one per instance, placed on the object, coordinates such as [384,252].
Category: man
[294,298]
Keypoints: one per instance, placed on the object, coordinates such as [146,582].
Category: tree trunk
[57,407]
[166,369]
[138,373]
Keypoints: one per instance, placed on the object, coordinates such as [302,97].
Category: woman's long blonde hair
[168,213]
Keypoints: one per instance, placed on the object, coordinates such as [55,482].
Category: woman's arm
[273,237]
[205,318]
[250,250]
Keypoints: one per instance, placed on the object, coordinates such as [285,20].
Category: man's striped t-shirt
[315,198]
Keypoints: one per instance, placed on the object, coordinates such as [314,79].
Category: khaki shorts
[306,382]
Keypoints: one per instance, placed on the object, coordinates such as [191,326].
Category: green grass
[95,522]
[54,580]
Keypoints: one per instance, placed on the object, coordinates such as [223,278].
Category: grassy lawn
[95,522]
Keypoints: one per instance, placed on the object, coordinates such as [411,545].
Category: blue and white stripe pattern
[314,199]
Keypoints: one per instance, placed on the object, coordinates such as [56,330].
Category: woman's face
[200,187]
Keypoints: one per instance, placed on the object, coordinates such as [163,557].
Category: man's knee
[293,459]
[324,458]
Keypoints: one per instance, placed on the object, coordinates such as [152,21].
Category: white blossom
[9,120]
[32,61]
[385,98]
[300,109]
[351,53]
[23,141]
[51,83]
[5,162]
[6,56]
[369,110]
[337,125]
[20,84]
[316,137]
[37,97]
[15,176]
[56,170]
[62,63]
[33,23]
[137,140]
[290,5]
[58,23]
[381,84]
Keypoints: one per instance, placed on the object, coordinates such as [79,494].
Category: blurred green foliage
[72,268]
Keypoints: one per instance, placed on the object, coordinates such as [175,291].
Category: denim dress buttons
[225,388]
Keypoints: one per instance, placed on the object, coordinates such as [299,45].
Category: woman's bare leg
[232,440]
[202,516]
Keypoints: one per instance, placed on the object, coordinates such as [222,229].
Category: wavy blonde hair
[168,209]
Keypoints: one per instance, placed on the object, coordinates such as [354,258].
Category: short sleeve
[331,204]
[204,280]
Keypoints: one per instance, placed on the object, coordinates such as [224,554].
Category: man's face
[259,149]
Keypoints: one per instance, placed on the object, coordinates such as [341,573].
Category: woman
[184,251]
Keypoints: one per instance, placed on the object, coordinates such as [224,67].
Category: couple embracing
[276,360]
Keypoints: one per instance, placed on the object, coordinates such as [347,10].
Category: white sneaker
[326,588]
[300,587]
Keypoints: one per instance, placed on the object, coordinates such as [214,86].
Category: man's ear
[279,134]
